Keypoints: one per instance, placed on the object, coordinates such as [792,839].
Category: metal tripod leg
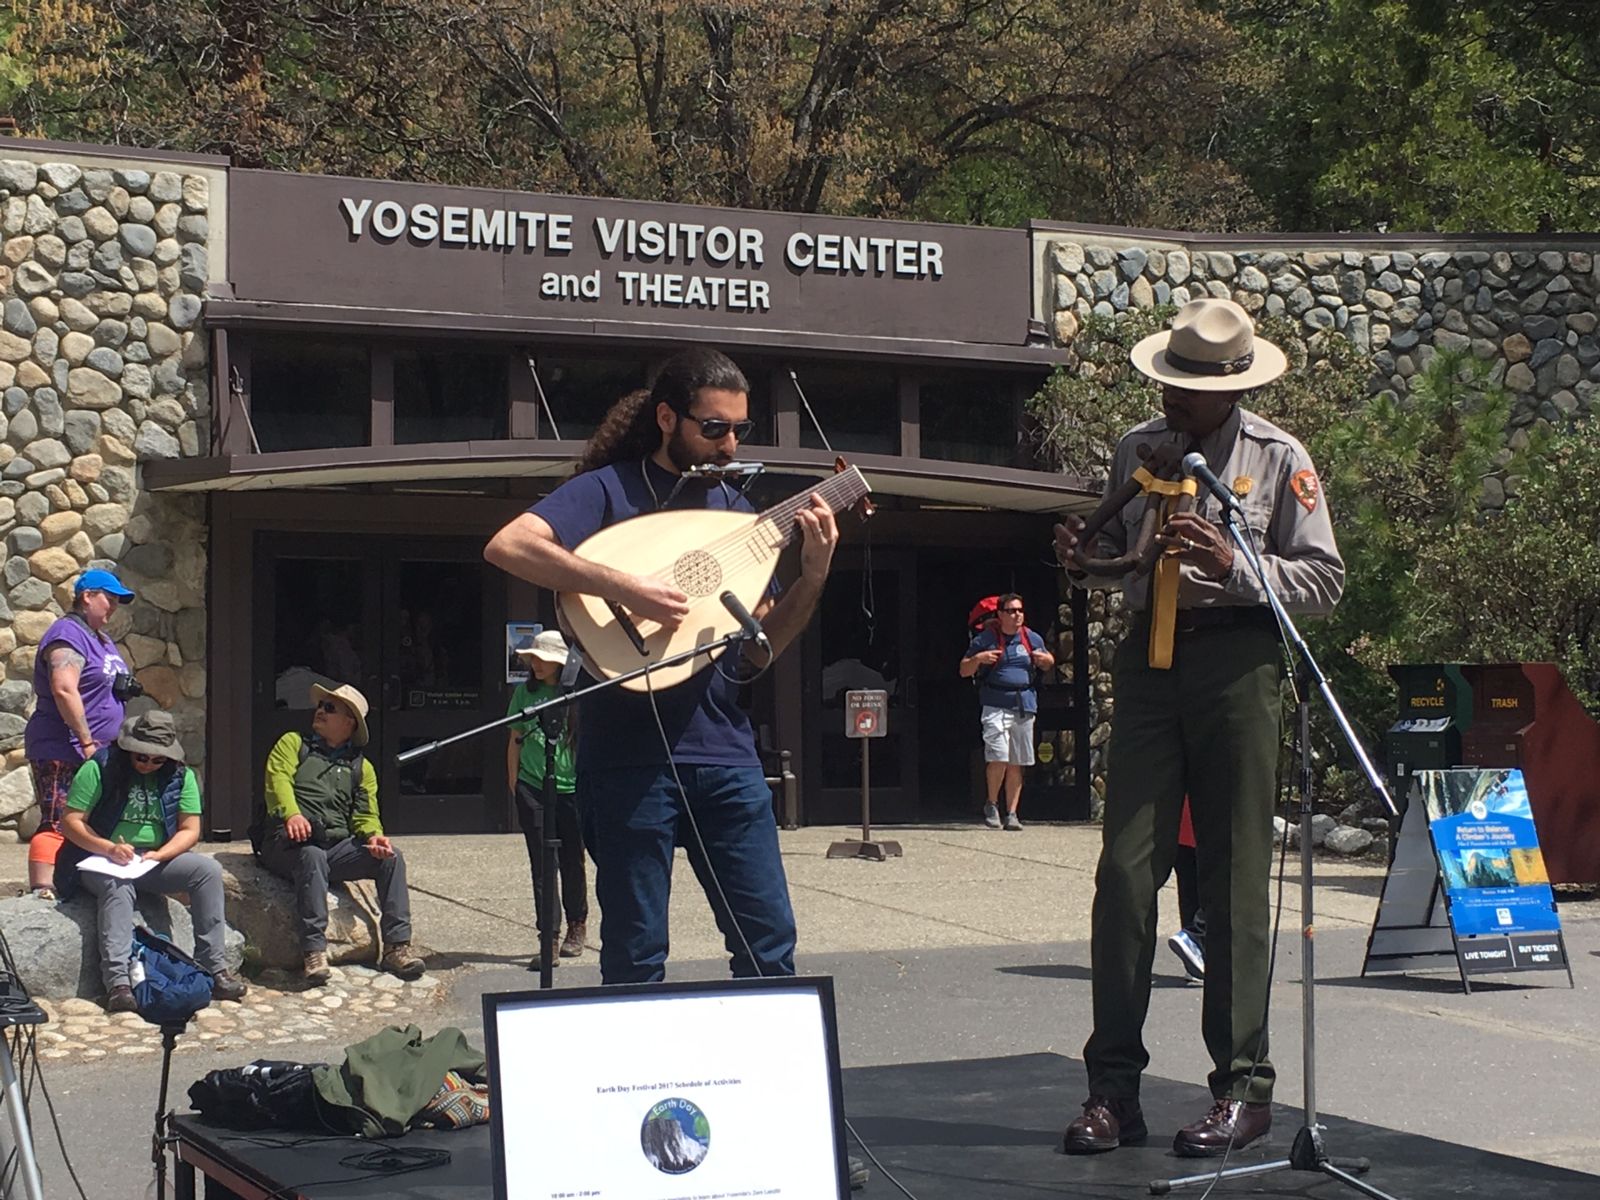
[17,1114]
[1307,1154]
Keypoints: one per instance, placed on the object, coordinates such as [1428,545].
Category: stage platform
[978,1129]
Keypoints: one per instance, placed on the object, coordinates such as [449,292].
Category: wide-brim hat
[152,732]
[1211,347]
[356,701]
[548,646]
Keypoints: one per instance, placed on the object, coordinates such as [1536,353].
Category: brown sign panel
[373,244]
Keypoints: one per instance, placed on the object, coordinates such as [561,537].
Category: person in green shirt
[322,827]
[136,801]
[525,756]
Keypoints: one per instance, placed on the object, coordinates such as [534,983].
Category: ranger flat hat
[1211,347]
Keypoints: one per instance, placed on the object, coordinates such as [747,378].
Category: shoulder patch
[1307,489]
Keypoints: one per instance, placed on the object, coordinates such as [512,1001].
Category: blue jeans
[634,817]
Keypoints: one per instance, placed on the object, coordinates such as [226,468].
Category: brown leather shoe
[577,935]
[1234,1120]
[1106,1123]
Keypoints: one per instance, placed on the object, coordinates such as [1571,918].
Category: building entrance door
[414,624]
[865,638]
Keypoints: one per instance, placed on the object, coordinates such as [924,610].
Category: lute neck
[839,491]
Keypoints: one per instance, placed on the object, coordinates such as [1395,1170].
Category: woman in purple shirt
[75,711]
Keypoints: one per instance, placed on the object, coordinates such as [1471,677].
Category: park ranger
[1198,713]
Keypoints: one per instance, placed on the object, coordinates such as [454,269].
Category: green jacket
[386,1080]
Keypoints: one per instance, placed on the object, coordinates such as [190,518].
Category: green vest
[325,790]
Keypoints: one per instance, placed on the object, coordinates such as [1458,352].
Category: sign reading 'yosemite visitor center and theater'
[364,243]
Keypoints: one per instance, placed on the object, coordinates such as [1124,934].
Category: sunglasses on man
[1012,612]
[157,759]
[332,709]
[714,429]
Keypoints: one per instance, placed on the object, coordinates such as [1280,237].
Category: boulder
[1321,826]
[1347,840]
[55,945]
[16,792]
[263,907]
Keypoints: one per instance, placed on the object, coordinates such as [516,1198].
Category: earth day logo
[675,1136]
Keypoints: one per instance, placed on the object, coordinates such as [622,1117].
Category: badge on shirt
[1306,489]
[1242,485]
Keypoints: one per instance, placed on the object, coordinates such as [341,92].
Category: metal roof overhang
[288,316]
[963,485]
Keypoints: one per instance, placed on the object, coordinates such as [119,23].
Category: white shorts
[1007,736]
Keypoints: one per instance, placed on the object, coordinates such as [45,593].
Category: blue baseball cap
[102,581]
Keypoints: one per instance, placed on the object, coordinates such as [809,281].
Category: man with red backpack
[1005,657]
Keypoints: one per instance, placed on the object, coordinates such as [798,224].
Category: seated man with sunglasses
[322,827]
[135,799]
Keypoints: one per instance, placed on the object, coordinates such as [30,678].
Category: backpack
[168,986]
[258,813]
[985,618]
[265,1094]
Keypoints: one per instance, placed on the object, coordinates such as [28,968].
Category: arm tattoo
[64,658]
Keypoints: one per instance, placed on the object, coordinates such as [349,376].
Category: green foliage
[1422,114]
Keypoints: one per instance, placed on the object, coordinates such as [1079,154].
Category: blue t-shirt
[702,717]
[1009,683]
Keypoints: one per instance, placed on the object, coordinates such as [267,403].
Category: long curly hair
[629,431]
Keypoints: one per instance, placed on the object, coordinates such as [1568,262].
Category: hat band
[1195,366]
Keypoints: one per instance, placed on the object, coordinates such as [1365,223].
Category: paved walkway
[955,886]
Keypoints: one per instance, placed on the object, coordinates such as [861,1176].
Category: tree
[997,110]
[1422,114]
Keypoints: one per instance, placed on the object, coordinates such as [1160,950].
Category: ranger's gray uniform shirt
[1283,503]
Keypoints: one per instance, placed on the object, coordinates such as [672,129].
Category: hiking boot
[120,1000]
[1013,822]
[572,944]
[399,960]
[991,816]
[225,985]
[316,966]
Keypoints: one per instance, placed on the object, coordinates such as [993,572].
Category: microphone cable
[733,917]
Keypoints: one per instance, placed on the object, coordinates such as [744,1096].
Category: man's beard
[684,458]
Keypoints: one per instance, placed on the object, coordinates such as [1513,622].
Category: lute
[701,552]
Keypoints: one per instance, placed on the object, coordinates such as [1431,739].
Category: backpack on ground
[169,987]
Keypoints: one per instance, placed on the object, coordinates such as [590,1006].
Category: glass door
[865,638]
[444,661]
[416,626]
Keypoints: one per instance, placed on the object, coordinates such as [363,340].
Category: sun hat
[356,701]
[99,580]
[547,645]
[1211,347]
[152,732]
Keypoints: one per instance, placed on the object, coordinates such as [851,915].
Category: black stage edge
[990,1129]
[978,1129]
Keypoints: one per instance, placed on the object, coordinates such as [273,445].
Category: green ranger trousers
[1208,728]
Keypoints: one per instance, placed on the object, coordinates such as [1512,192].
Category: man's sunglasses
[329,707]
[1012,612]
[158,759]
[714,429]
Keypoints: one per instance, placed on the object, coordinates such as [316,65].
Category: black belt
[1202,620]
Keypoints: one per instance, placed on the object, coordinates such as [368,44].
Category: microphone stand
[545,820]
[1308,1152]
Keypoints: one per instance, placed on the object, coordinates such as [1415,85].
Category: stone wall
[1530,311]
[102,273]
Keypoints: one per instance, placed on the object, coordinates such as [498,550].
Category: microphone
[751,627]
[1194,466]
